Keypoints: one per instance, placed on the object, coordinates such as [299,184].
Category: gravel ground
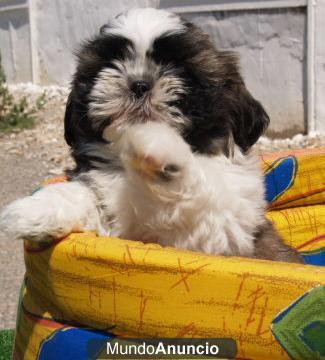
[26,158]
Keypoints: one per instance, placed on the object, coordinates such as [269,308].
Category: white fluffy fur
[52,212]
[211,204]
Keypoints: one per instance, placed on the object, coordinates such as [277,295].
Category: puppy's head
[152,65]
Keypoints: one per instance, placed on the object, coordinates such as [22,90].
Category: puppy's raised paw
[155,152]
[150,168]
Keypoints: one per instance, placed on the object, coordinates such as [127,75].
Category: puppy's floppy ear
[249,120]
[69,121]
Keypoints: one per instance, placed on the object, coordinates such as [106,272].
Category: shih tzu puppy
[160,124]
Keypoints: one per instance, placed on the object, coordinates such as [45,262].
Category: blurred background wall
[280,43]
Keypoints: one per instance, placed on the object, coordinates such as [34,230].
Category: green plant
[16,114]
[6,343]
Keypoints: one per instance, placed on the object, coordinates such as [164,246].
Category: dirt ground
[28,157]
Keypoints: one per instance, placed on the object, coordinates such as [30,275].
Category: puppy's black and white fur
[160,124]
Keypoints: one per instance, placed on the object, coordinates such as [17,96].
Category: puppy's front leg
[161,188]
[51,213]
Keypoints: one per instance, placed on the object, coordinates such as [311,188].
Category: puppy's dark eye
[164,50]
[175,103]
[111,66]
[171,48]
[111,47]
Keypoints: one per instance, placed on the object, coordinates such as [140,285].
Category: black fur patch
[94,55]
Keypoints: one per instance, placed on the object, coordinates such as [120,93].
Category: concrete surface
[319,68]
[15,43]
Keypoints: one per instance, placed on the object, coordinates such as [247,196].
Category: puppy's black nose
[140,87]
